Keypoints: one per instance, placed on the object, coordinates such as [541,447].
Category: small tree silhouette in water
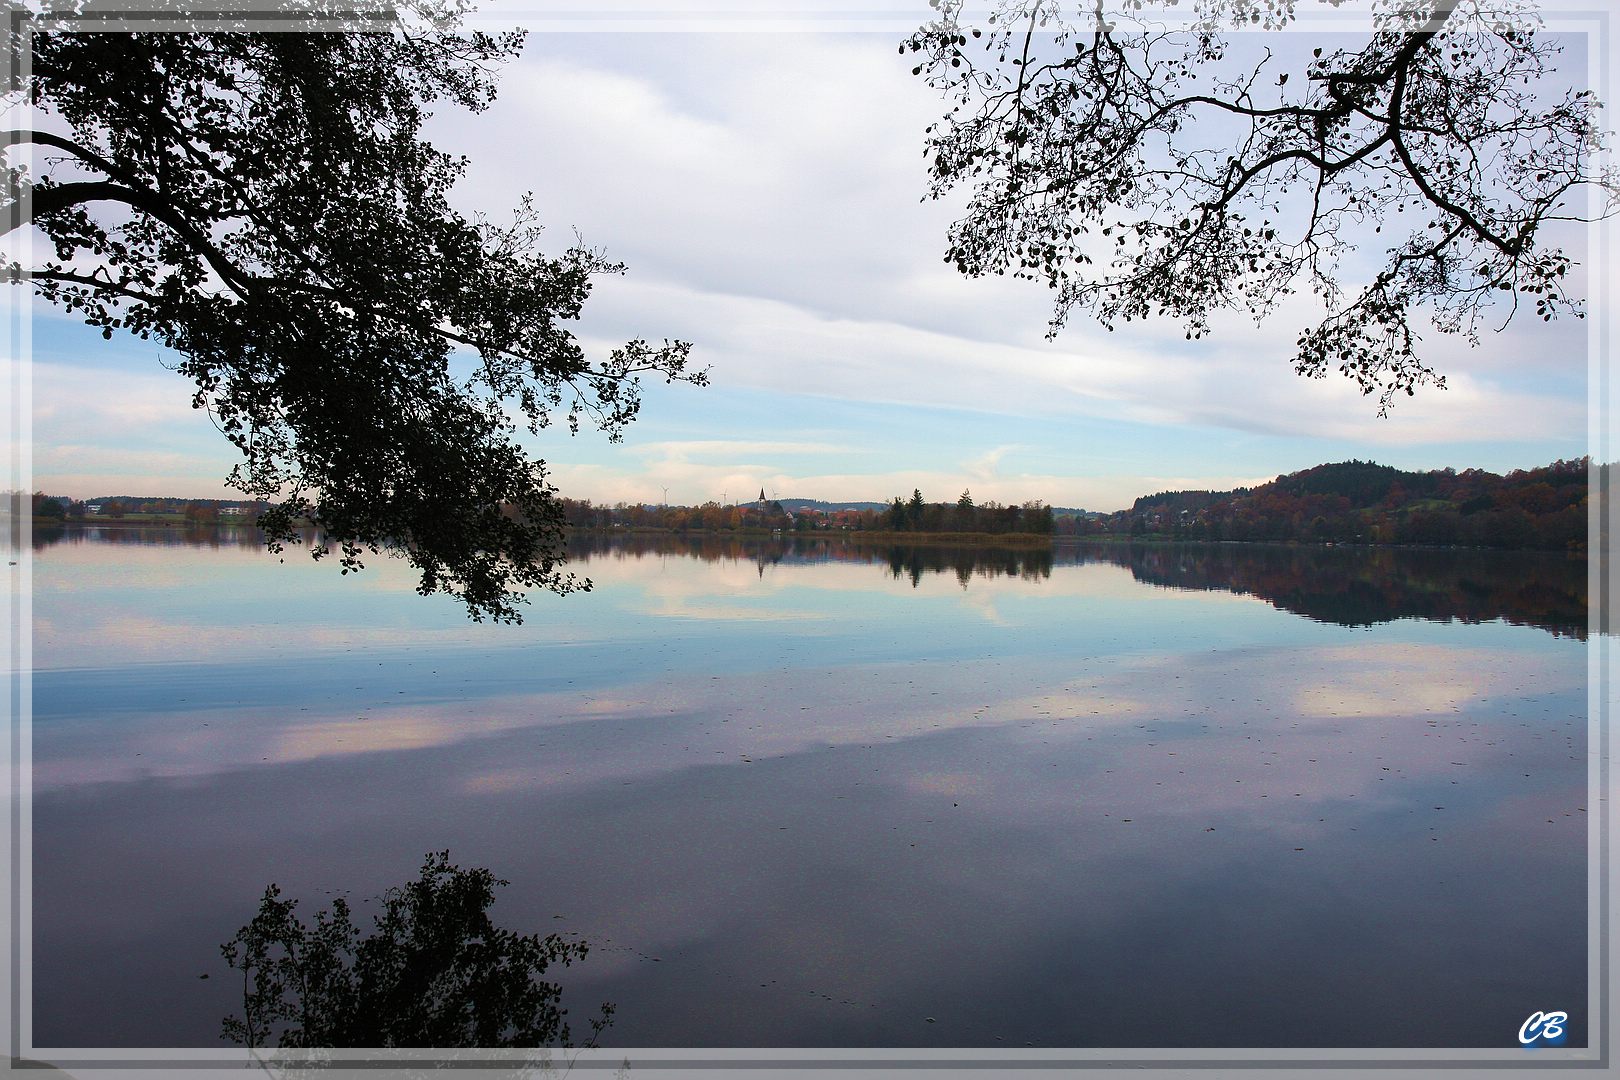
[435,973]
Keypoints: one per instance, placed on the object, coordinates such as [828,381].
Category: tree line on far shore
[1351,502]
[61,508]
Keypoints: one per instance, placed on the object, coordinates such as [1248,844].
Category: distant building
[762,506]
[93,508]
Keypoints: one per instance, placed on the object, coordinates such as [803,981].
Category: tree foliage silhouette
[1142,169]
[436,972]
[264,204]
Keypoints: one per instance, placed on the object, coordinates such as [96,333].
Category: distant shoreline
[1015,540]
[1010,539]
[887,536]
[1116,539]
[170,522]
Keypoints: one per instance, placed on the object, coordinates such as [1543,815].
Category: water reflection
[197,536]
[434,972]
[1345,586]
[1366,586]
[794,799]
[1342,585]
[911,561]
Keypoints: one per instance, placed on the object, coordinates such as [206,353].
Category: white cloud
[104,431]
[765,190]
[776,345]
[986,465]
[683,450]
[75,401]
[771,213]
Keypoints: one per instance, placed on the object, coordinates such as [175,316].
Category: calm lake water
[828,795]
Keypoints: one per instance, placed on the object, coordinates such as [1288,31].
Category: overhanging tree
[264,205]
[1146,170]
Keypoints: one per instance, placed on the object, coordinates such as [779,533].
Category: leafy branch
[1146,171]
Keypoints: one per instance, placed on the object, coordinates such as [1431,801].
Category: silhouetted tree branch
[264,205]
[1142,169]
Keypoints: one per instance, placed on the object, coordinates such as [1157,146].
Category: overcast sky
[764,190]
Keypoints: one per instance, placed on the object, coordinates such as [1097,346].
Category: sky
[765,190]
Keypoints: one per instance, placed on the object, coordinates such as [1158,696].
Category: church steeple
[762,496]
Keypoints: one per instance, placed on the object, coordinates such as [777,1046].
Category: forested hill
[1364,502]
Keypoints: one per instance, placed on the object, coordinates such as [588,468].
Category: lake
[818,794]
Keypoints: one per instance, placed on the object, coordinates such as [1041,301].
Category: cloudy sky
[763,183]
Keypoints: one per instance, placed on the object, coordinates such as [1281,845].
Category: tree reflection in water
[436,972]
[1366,586]
[1350,586]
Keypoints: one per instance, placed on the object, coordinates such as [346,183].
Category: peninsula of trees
[913,515]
